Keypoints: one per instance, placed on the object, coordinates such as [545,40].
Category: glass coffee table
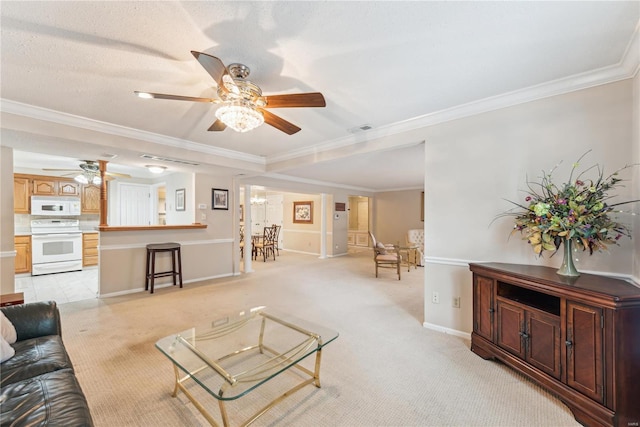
[234,355]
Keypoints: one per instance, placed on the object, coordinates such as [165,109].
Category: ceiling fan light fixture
[88,178]
[239,116]
[156,169]
[82,179]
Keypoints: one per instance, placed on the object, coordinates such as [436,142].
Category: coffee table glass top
[233,355]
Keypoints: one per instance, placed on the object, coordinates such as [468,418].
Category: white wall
[635,143]
[473,163]
[7,254]
[395,212]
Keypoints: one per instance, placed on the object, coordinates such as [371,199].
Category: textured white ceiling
[379,63]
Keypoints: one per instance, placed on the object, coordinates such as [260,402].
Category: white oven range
[56,246]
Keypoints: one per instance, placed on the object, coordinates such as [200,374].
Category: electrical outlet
[455,303]
[435,298]
[203,217]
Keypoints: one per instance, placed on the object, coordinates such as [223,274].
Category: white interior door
[134,204]
[274,214]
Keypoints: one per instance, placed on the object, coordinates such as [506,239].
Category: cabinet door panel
[68,188]
[584,352]
[45,187]
[510,327]
[483,300]
[90,198]
[21,195]
[543,349]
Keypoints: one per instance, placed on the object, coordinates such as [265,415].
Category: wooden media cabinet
[579,338]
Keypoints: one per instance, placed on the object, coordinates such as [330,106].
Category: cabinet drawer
[90,252]
[89,260]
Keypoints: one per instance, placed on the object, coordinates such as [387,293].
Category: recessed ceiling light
[156,169]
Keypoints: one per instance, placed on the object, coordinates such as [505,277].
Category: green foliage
[576,210]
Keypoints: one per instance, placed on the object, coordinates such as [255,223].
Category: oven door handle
[54,236]
[56,265]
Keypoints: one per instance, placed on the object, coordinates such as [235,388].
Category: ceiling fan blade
[149,95]
[218,71]
[62,170]
[312,99]
[217,126]
[279,123]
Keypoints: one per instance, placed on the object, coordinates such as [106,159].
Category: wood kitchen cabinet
[577,337]
[22,246]
[42,185]
[68,188]
[90,199]
[21,195]
[89,249]
[45,186]
[49,186]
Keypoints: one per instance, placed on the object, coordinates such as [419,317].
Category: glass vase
[567,268]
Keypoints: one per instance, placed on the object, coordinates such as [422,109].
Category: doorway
[358,231]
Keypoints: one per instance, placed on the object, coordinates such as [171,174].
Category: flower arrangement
[578,211]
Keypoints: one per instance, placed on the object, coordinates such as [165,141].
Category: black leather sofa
[38,384]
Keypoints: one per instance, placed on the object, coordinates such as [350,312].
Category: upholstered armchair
[416,237]
[386,256]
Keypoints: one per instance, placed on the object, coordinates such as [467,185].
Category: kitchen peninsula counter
[151,227]
[123,251]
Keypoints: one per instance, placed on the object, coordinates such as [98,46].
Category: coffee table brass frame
[278,362]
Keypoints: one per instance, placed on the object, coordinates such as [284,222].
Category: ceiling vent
[168,159]
[360,128]
[108,155]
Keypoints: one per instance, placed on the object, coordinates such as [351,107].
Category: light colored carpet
[385,369]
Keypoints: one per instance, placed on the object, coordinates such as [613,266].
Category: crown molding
[45,114]
[626,68]
[290,178]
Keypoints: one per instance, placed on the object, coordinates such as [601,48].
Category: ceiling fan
[89,172]
[243,106]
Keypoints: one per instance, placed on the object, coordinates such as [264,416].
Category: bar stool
[151,274]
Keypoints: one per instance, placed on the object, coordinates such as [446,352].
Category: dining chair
[276,238]
[242,241]
[265,244]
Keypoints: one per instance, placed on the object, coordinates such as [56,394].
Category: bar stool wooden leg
[173,267]
[147,272]
[153,269]
[180,265]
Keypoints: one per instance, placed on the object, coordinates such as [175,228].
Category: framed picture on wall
[303,212]
[180,199]
[219,198]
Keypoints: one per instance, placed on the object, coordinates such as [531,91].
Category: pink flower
[578,182]
[528,198]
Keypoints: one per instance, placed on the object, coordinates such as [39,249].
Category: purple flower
[578,183]
[528,198]
[562,202]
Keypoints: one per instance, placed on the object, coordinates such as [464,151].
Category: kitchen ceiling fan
[243,106]
[89,172]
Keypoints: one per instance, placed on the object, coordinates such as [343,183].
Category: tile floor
[60,287]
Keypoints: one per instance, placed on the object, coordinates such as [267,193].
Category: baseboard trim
[161,285]
[448,331]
